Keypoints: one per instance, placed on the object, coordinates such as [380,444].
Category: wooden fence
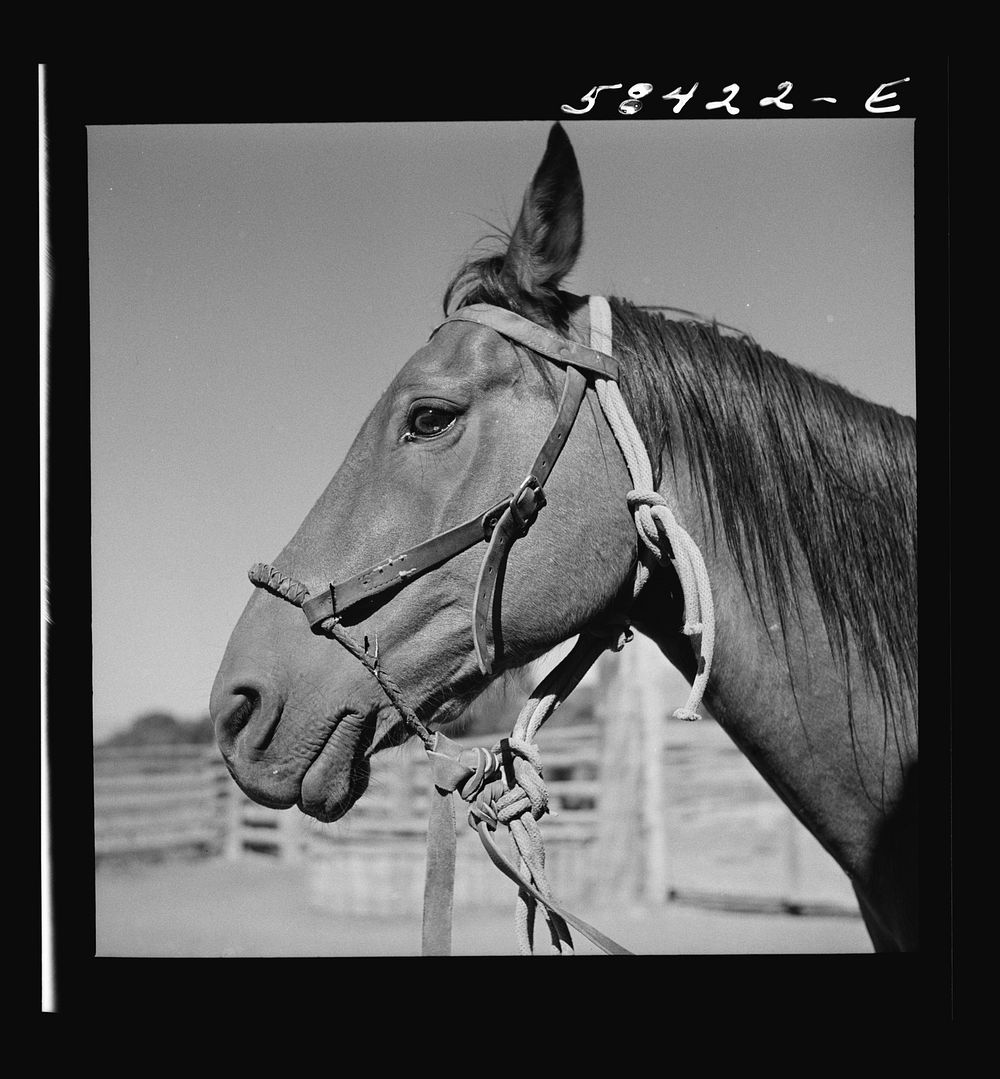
[157,800]
[720,837]
[154,799]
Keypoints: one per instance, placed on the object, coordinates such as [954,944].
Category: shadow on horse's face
[297,717]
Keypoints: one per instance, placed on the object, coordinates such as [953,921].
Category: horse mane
[798,473]
[796,470]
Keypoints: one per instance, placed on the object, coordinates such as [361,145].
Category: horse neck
[813,721]
[815,731]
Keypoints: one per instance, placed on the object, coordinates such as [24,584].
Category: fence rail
[713,807]
[154,799]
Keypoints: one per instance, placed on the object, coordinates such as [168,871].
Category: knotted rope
[505,786]
[658,529]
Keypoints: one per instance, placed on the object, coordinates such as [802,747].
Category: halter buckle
[525,503]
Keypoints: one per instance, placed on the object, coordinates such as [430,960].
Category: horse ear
[548,236]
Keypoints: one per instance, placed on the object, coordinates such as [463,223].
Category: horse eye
[429,422]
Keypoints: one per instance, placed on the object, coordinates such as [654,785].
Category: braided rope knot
[278,584]
[475,775]
[529,794]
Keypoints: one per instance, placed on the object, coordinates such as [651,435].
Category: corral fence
[172,798]
[160,798]
[696,824]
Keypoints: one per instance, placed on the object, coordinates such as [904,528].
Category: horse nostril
[246,715]
[233,708]
[243,713]
[232,711]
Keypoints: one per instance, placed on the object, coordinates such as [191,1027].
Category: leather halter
[500,527]
[507,520]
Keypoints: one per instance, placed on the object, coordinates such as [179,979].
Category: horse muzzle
[280,757]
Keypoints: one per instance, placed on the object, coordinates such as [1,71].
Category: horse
[800,497]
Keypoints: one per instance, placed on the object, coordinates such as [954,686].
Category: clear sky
[255,288]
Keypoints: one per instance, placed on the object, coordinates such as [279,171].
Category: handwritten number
[732,90]
[631,105]
[784,87]
[590,97]
[876,103]
[681,99]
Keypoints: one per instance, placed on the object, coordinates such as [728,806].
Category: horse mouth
[338,775]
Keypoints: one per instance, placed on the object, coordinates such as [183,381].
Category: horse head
[297,717]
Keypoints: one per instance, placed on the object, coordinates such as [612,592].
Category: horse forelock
[481,279]
[793,468]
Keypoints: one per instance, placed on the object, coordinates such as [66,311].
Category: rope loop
[635,499]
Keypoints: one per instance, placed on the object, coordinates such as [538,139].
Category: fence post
[793,864]
[647,670]
[617,862]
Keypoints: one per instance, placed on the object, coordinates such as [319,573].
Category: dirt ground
[216,908]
